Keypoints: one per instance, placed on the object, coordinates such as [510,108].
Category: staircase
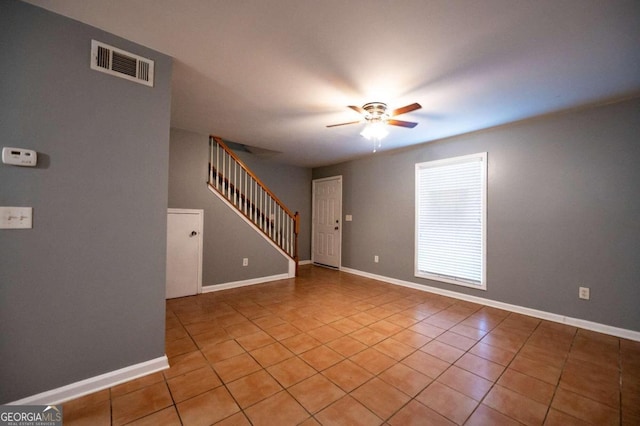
[231,178]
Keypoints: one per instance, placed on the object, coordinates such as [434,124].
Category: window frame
[483,157]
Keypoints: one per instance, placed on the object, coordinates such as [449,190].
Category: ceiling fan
[376,112]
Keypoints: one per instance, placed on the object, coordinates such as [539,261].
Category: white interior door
[327,224]
[184,252]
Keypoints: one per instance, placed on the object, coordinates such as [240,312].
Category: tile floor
[337,349]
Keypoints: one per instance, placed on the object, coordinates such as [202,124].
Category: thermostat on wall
[19,156]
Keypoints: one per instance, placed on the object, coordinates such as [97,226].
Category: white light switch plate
[16,217]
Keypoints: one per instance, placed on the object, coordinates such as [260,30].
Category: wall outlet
[583,293]
[245,261]
[376,258]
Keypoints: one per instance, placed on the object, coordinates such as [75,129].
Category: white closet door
[184,252]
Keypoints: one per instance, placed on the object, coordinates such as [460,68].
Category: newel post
[296,230]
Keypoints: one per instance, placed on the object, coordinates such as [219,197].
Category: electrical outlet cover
[583,293]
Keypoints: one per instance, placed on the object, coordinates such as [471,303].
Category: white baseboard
[236,284]
[576,322]
[304,262]
[94,384]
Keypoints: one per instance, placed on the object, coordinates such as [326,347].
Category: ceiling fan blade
[358,109]
[405,109]
[409,124]
[343,124]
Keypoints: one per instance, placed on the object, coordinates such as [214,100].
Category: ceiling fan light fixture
[375,131]
[376,111]
[377,118]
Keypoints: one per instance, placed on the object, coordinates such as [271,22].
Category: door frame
[313,222]
[200,214]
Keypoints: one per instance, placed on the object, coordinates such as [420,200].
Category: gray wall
[563,212]
[227,238]
[82,293]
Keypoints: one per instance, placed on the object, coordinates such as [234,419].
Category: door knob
[193,234]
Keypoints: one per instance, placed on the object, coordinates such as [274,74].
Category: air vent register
[119,63]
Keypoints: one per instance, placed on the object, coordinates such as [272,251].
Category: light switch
[16,217]
[348,218]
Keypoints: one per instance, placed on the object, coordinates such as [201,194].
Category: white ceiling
[273,73]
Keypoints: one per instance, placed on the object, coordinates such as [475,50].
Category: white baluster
[224,171]
[211,161]
[243,179]
[218,166]
[229,196]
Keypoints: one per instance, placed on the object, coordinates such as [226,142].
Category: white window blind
[450,220]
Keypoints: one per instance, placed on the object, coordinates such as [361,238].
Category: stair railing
[231,178]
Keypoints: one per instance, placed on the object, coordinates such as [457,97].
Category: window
[451,210]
